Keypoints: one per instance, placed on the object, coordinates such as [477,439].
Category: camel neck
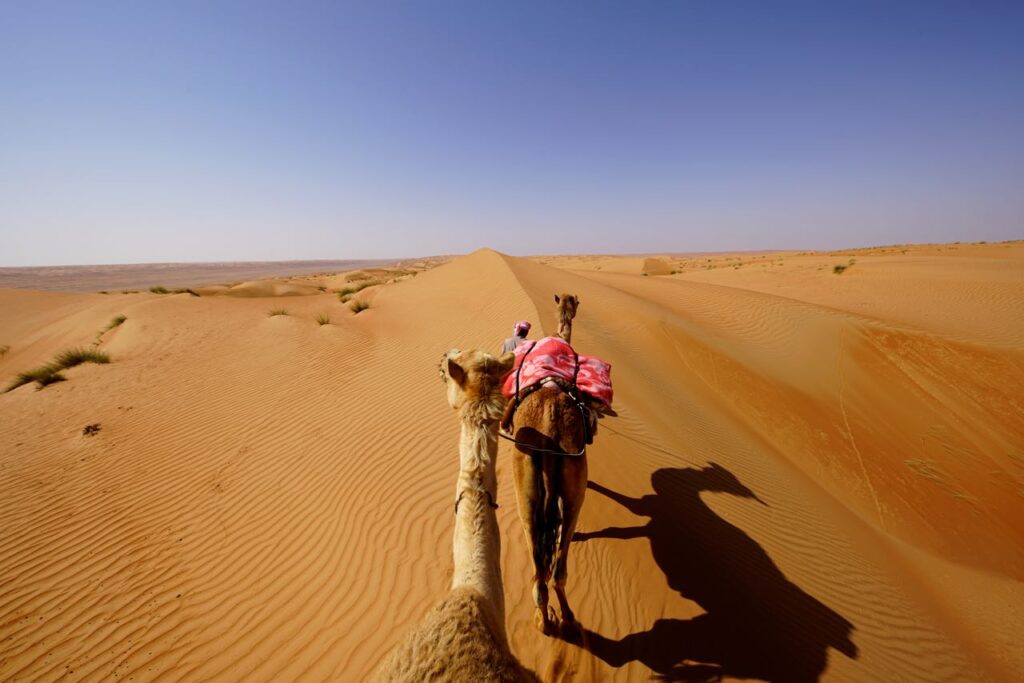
[477,543]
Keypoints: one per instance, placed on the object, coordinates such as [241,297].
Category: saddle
[551,361]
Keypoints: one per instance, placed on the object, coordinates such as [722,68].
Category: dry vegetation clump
[358,306]
[43,375]
[160,289]
[277,311]
[841,268]
[116,321]
[4,349]
[323,319]
[50,373]
[72,357]
[346,293]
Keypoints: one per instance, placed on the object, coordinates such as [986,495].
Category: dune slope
[793,489]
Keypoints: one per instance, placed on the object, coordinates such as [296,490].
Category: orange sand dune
[811,475]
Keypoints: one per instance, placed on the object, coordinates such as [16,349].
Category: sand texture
[812,475]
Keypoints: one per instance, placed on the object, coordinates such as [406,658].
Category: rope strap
[490,500]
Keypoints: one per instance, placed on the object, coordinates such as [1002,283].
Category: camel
[567,305]
[548,426]
[463,638]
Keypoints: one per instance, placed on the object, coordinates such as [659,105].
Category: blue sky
[197,131]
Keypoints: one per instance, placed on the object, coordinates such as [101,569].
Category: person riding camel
[519,332]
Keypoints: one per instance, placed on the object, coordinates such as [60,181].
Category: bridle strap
[490,499]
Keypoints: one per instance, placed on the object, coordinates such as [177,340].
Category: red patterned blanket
[552,357]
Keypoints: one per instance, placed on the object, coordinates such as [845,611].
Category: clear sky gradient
[198,131]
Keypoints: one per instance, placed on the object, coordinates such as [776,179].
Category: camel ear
[557,300]
[505,363]
[456,372]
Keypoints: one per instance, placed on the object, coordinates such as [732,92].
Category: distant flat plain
[145,275]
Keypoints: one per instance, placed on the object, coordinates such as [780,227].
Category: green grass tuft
[43,375]
[51,378]
[50,373]
[358,306]
[323,319]
[346,293]
[69,358]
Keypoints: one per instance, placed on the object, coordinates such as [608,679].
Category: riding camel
[463,638]
[551,427]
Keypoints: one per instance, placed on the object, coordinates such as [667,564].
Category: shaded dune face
[811,476]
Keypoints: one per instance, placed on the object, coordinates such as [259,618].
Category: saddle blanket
[553,357]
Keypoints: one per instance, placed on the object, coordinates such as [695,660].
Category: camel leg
[530,502]
[574,489]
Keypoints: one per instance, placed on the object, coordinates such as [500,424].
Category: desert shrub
[323,319]
[841,268]
[116,321]
[50,373]
[69,358]
[50,378]
[43,375]
[159,290]
[277,311]
[346,292]
[358,306]
[182,290]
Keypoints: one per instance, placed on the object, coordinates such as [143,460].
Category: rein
[490,499]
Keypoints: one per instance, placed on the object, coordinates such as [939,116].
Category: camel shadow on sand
[757,624]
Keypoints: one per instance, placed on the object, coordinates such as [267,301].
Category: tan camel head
[473,380]
[567,305]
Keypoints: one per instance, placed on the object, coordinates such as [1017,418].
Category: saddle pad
[553,357]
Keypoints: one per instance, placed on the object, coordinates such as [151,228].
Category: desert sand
[812,475]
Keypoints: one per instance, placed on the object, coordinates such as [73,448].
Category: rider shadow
[757,624]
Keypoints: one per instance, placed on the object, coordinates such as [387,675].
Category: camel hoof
[541,620]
